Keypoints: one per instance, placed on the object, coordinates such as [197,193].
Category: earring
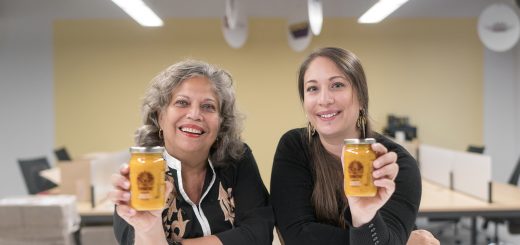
[361,122]
[161,136]
[311,130]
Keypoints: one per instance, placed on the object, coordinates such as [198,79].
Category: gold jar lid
[360,141]
[145,149]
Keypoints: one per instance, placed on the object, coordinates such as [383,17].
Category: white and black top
[234,206]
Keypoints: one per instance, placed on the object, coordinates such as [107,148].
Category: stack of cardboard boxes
[38,220]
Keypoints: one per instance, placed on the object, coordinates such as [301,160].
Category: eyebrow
[330,79]
[205,100]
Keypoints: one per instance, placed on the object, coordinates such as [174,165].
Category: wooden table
[441,202]
[102,214]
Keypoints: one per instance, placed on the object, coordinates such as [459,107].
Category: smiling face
[329,100]
[190,123]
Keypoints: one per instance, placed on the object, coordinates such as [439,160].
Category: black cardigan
[235,208]
[292,185]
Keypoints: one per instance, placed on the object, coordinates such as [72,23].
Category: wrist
[360,220]
[154,235]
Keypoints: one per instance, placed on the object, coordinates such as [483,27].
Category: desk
[441,202]
[100,215]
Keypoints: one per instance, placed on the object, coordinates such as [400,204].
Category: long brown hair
[328,198]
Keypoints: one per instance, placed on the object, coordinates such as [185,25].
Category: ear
[159,118]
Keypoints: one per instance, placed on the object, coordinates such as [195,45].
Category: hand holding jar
[369,174]
[139,189]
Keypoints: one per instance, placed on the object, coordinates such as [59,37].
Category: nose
[194,114]
[325,97]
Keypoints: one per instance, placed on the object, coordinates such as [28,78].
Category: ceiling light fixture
[140,12]
[380,10]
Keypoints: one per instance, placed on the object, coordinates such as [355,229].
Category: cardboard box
[90,179]
[41,219]
[75,179]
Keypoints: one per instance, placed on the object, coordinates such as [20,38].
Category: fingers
[119,197]
[120,182]
[385,159]
[387,184]
[125,211]
[120,194]
[379,148]
[389,171]
[124,169]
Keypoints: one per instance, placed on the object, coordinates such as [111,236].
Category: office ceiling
[254,8]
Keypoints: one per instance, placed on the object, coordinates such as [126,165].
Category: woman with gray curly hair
[215,192]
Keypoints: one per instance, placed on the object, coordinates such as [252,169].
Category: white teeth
[328,115]
[191,130]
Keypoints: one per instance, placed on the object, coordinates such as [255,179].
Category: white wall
[26,79]
[502,110]
[26,92]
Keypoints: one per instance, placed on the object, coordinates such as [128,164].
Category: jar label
[355,170]
[355,183]
[145,182]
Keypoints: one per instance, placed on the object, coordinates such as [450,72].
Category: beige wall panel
[429,70]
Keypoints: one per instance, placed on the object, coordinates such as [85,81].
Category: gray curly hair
[228,145]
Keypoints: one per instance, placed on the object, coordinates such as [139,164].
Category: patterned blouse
[234,206]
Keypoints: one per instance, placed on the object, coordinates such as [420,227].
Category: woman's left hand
[363,209]
[422,237]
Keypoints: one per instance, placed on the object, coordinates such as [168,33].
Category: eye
[181,103]
[311,89]
[208,107]
[338,85]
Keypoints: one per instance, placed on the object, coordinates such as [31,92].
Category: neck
[192,162]
[334,144]
[193,174]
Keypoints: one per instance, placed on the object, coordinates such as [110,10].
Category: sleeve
[291,190]
[123,231]
[400,212]
[396,219]
[254,219]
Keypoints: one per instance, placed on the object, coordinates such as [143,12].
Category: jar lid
[360,141]
[144,149]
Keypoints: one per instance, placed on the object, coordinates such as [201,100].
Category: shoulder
[295,133]
[246,161]
[292,149]
[294,136]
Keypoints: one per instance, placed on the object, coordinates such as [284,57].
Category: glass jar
[147,176]
[358,158]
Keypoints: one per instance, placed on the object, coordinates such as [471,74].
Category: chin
[327,132]
[331,132]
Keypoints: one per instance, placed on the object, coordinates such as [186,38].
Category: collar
[175,163]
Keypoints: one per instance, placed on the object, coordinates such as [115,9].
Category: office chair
[31,173]
[62,154]
[475,149]
[513,224]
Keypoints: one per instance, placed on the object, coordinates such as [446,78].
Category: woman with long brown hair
[307,177]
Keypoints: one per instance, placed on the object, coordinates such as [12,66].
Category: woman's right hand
[142,221]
